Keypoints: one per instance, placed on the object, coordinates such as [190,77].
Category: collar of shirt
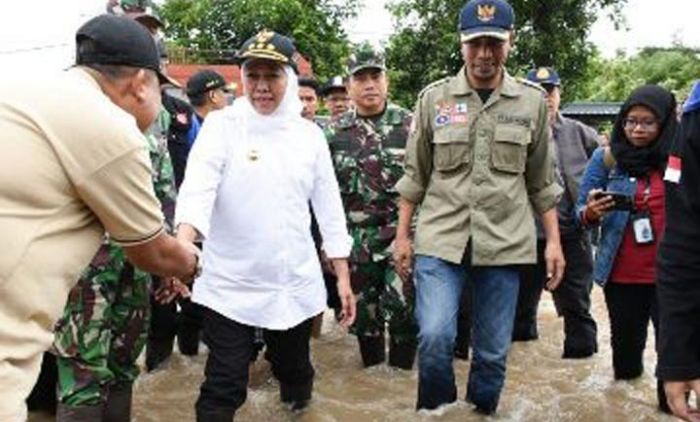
[508,87]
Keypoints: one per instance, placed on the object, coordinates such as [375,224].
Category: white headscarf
[288,111]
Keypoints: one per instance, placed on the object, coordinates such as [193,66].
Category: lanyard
[646,193]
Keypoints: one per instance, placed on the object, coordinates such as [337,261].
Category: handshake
[171,288]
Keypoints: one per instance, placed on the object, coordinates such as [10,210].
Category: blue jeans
[439,286]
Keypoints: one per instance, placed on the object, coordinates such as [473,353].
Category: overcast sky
[40,32]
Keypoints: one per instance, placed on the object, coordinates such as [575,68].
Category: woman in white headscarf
[250,177]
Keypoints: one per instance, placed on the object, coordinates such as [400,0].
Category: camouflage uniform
[104,326]
[368,158]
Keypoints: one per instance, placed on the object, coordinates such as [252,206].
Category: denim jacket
[613,223]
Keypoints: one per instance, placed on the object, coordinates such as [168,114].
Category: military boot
[402,354]
[157,352]
[297,396]
[118,406]
[372,350]
[65,413]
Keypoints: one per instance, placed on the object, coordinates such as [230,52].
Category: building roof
[231,73]
[602,109]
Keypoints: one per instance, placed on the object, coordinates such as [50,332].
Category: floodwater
[540,386]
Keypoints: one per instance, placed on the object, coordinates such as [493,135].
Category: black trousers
[572,298]
[464,325]
[167,324]
[230,344]
[43,396]
[630,307]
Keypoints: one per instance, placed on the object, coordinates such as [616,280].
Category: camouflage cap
[135,4]
[365,57]
[139,10]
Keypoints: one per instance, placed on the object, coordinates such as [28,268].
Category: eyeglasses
[645,125]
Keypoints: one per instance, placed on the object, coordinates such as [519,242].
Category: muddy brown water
[540,386]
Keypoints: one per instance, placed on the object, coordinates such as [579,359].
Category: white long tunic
[249,197]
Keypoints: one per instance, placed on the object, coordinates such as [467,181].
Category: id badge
[643,230]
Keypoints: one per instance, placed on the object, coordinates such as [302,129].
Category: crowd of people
[239,222]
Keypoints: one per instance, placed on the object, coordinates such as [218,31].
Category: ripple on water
[540,386]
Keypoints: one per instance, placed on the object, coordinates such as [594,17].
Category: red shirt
[636,264]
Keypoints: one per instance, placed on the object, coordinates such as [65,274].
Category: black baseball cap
[486,18]
[203,81]
[269,45]
[119,40]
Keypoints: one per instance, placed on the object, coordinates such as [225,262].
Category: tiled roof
[591,109]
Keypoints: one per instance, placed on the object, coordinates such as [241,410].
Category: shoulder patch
[434,85]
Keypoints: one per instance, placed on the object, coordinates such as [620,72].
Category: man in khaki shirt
[74,164]
[478,162]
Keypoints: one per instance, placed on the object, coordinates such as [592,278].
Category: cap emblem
[486,12]
[264,36]
[543,73]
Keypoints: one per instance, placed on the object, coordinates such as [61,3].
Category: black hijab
[638,161]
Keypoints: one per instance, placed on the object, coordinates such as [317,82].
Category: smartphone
[622,202]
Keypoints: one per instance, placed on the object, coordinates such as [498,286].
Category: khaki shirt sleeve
[542,188]
[121,194]
[418,163]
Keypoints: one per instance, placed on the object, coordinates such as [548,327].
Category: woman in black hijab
[622,191]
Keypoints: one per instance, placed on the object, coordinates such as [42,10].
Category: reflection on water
[540,386]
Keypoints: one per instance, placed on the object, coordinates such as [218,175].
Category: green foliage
[315,25]
[425,46]
[612,80]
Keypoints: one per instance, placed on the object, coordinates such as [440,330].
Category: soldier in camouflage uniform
[367,145]
[105,322]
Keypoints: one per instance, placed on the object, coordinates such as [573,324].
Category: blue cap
[544,76]
[486,18]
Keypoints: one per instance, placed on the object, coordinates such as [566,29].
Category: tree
[674,68]
[425,46]
[223,25]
